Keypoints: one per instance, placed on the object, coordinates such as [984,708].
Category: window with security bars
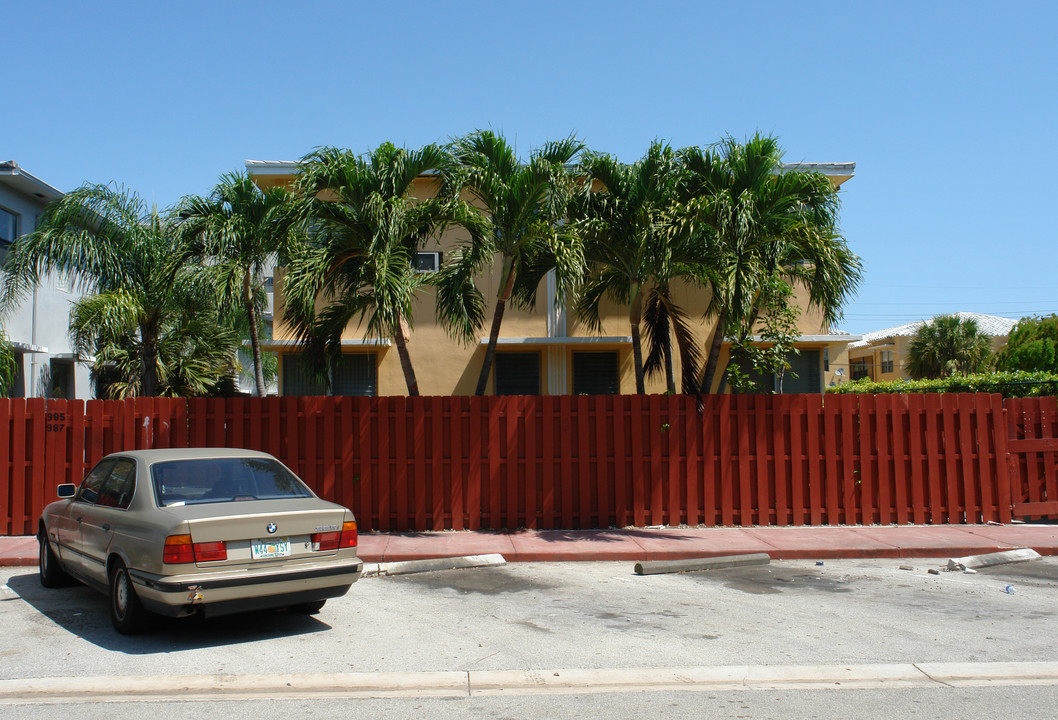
[802,377]
[805,366]
[596,373]
[352,374]
[356,375]
[518,373]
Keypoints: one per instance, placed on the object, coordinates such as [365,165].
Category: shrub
[1008,384]
[1033,345]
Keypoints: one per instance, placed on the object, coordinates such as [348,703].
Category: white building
[38,328]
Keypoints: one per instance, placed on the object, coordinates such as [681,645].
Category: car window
[119,485]
[92,485]
[185,482]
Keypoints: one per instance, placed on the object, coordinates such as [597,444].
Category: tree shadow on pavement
[608,536]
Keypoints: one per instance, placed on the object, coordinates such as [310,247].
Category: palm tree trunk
[497,319]
[670,370]
[149,376]
[405,361]
[714,355]
[255,347]
[255,339]
[635,313]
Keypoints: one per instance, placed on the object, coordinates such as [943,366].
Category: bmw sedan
[197,531]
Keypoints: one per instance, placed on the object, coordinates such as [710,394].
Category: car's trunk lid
[263,531]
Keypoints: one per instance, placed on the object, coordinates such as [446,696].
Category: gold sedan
[197,531]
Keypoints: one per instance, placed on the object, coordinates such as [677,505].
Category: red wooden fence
[1033,455]
[576,462]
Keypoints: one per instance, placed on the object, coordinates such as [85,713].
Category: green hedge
[1015,384]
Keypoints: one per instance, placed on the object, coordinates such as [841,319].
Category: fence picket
[22,427]
[883,467]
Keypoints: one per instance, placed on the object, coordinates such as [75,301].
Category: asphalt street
[547,639]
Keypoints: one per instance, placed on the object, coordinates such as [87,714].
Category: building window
[18,385]
[300,379]
[60,380]
[356,375]
[353,374]
[861,368]
[802,377]
[8,232]
[427,262]
[826,359]
[518,373]
[596,373]
[887,361]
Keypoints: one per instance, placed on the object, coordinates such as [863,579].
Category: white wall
[42,319]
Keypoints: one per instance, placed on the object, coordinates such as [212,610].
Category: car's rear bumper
[220,593]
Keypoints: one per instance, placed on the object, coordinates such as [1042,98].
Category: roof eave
[271,167]
[27,183]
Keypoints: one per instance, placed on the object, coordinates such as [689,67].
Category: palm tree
[633,255]
[948,345]
[242,232]
[367,229]
[112,245]
[196,348]
[8,364]
[752,219]
[525,204]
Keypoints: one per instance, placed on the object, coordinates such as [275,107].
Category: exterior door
[99,520]
[69,526]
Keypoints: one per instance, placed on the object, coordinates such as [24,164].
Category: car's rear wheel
[126,611]
[51,573]
[309,608]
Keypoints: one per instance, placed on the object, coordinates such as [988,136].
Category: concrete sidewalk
[665,543]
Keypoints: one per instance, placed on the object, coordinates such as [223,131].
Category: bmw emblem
[271,528]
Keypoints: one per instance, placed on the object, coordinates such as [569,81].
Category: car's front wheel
[126,611]
[51,573]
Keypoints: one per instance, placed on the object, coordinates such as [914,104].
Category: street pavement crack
[939,682]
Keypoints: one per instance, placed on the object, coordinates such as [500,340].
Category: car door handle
[106,526]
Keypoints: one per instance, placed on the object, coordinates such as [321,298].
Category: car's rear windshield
[186,482]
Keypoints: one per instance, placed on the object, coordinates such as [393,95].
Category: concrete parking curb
[657,567]
[409,567]
[999,558]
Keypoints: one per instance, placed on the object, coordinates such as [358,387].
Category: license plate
[270,548]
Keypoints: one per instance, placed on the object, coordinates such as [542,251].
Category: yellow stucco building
[882,355]
[544,352]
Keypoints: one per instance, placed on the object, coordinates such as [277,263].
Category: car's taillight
[325,540]
[180,549]
[348,535]
[210,551]
[334,540]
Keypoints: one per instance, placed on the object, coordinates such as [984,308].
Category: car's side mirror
[66,490]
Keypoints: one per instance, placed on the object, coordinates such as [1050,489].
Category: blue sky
[947,108]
